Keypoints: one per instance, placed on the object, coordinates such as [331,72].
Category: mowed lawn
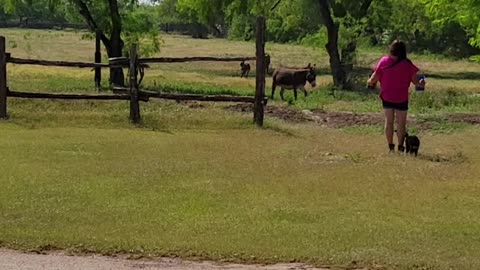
[203,182]
[242,195]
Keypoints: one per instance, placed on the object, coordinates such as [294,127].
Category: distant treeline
[292,21]
[33,23]
[195,30]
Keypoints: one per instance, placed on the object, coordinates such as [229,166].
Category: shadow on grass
[192,89]
[454,76]
[457,157]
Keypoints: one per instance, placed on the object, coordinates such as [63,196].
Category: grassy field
[201,181]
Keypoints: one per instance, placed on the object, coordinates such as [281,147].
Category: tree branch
[364,8]
[115,17]
[275,6]
[116,27]
[87,15]
[327,16]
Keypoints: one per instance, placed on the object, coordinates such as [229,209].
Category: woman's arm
[418,83]
[373,79]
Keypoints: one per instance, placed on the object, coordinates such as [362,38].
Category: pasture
[198,180]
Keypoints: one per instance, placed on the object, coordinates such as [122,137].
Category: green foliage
[241,27]
[449,99]
[138,21]
[39,9]
[316,40]
[413,22]
[293,20]
[167,12]
[464,12]
[211,13]
[140,27]
[290,21]
[427,26]
[431,26]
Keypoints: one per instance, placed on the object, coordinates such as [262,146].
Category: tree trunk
[338,72]
[117,77]
[348,56]
[116,44]
[341,65]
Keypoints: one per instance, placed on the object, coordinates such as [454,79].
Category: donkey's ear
[309,64]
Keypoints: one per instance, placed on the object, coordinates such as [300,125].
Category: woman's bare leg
[401,117]
[389,122]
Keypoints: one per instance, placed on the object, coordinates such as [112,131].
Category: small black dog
[245,69]
[412,144]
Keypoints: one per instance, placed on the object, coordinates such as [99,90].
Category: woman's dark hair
[399,50]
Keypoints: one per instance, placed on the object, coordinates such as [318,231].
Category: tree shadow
[457,157]
[454,75]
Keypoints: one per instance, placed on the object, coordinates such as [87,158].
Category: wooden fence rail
[21,61]
[124,63]
[194,59]
[194,97]
[35,95]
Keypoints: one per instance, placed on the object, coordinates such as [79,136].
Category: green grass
[452,85]
[196,180]
[248,195]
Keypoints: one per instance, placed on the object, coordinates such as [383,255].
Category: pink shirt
[394,81]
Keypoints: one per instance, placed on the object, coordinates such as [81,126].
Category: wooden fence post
[258,109]
[3,79]
[98,60]
[133,72]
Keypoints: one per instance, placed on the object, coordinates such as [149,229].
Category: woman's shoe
[391,147]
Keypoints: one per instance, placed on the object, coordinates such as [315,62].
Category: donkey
[289,78]
[244,69]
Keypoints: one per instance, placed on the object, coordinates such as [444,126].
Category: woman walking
[395,72]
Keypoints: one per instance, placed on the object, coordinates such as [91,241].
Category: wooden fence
[132,92]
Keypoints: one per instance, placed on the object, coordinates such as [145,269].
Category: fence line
[21,61]
[122,62]
[71,96]
[194,59]
[135,66]
[195,97]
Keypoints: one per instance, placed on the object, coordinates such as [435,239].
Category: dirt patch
[468,118]
[329,119]
[191,104]
[10,260]
[283,113]
[345,119]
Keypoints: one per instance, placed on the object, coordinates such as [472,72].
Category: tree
[465,12]
[292,20]
[223,15]
[106,17]
[345,15]
[208,12]
[412,22]
[95,14]
[41,9]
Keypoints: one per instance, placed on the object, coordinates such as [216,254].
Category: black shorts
[402,106]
